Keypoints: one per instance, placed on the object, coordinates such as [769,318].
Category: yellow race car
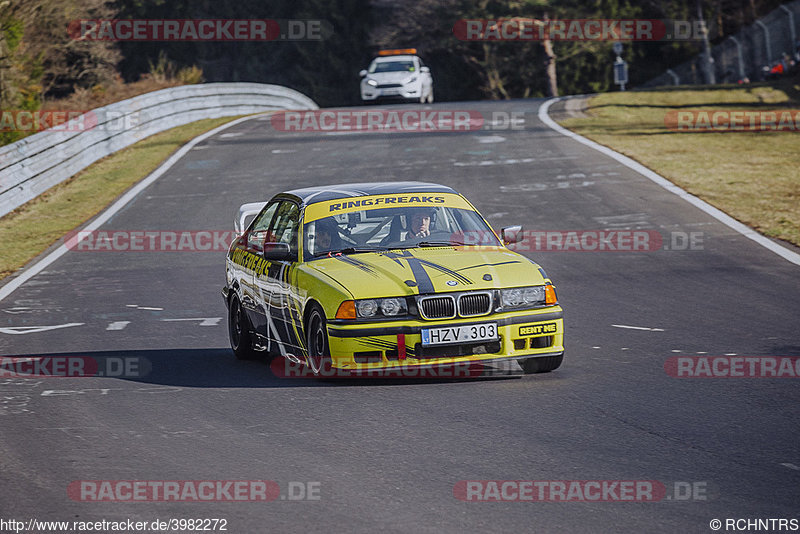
[356,278]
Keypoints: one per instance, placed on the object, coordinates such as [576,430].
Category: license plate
[391,91]
[459,334]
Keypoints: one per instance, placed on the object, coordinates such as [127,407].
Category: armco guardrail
[743,55]
[33,165]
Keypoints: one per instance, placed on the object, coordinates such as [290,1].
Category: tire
[319,354]
[541,365]
[239,332]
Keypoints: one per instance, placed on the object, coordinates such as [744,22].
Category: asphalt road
[387,455]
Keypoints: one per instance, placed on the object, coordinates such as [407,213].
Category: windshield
[392,228]
[391,66]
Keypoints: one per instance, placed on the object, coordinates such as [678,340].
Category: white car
[397,75]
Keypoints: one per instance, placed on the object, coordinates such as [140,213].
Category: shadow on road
[216,368]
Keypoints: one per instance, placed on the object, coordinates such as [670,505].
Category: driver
[419,223]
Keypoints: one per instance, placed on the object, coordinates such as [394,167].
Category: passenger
[326,236]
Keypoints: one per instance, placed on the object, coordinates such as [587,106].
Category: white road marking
[149,308]
[229,135]
[35,329]
[118,325]
[676,350]
[730,354]
[719,215]
[595,347]
[544,186]
[70,392]
[491,139]
[204,321]
[282,151]
[123,201]
[18,309]
[638,328]
[791,466]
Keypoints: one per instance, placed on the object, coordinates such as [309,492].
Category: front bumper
[386,345]
[406,92]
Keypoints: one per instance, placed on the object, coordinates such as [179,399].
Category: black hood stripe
[441,268]
[356,263]
[424,282]
[489,265]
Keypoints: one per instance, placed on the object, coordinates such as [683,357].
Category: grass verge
[30,229]
[753,176]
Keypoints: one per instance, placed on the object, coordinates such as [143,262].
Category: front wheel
[319,355]
[541,365]
[239,331]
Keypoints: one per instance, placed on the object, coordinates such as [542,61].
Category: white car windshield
[391,66]
[393,228]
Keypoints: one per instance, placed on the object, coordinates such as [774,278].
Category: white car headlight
[410,80]
[523,297]
[389,307]
[372,82]
[393,306]
[366,308]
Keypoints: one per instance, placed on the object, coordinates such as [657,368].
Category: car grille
[389,85]
[450,306]
[456,351]
[438,307]
[472,304]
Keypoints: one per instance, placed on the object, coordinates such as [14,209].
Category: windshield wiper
[348,250]
[439,243]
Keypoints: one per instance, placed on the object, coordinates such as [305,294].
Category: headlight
[523,297]
[366,308]
[390,307]
[410,80]
[372,82]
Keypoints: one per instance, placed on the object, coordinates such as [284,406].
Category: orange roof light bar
[398,52]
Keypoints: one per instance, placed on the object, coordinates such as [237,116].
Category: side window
[285,224]
[259,231]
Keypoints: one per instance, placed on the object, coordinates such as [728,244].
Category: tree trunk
[550,62]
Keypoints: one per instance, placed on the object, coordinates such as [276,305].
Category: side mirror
[277,251]
[362,73]
[424,69]
[511,234]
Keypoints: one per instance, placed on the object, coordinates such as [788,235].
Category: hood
[392,77]
[428,270]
